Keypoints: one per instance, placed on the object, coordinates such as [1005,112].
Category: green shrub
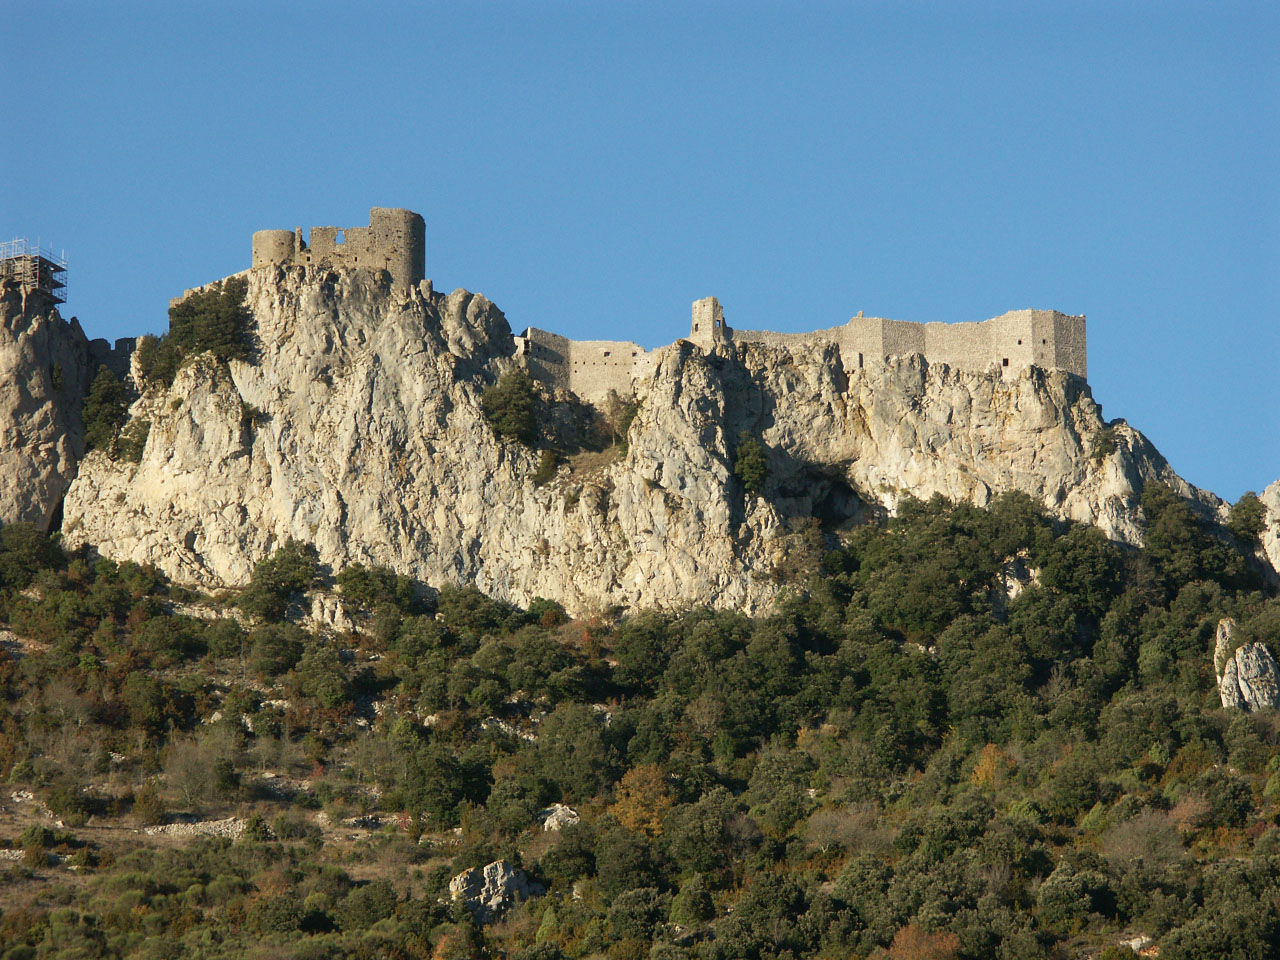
[509,407]
[104,411]
[547,464]
[24,552]
[214,321]
[148,806]
[133,440]
[751,463]
[369,587]
[291,570]
[1248,518]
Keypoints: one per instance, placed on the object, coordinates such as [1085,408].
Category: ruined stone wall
[546,357]
[590,368]
[598,366]
[1069,344]
[395,241]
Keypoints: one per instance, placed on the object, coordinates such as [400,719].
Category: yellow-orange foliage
[992,767]
[643,799]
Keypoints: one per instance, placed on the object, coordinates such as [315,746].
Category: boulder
[556,817]
[490,890]
[1247,674]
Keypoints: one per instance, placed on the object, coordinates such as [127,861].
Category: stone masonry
[1010,343]
[395,241]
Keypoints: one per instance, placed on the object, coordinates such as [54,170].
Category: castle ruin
[395,240]
[1008,343]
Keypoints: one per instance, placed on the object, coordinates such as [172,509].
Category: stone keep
[394,240]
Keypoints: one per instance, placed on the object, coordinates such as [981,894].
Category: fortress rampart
[395,240]
[590,368]
[1009,343]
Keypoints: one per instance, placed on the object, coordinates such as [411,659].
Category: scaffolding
[35,267]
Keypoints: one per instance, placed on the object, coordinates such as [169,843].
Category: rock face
[359,429]
[1271,535]
[490,890]
[556,817]
[1247,675]
[44,369]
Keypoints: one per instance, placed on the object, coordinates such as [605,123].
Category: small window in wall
[695,328]
[633,353]
[859,361]
[606,353]
[1019,343]
[1004,362]
[1043,342]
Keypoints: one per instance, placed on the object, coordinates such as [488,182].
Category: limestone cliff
[1271,534]
[358,428]
[44,367]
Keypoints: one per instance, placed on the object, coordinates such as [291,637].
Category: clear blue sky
[594,167]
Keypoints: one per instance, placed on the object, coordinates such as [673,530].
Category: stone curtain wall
[1011,343]
[546,357]
[1044,338]
[590,368]
[598,366]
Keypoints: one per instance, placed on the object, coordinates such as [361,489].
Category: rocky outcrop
[1247,675]
[1271,533]
[44,370]
[358,428]
[556,817]
[491,890]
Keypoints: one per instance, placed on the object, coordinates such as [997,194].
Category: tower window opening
[1004,362]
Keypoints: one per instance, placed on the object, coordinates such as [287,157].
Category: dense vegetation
[509,407]
[907,758]
[215,320]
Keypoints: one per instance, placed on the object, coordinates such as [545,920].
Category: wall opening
[339,237]
[1004,362]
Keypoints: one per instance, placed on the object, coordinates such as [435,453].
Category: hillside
[967,733]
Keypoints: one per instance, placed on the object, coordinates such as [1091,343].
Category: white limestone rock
[1247,675]
[556,817]
[44,370]
[490,890]
[1270,498]
[371,444]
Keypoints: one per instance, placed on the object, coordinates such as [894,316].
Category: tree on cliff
[508,406]
[104,410]
[214,321]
